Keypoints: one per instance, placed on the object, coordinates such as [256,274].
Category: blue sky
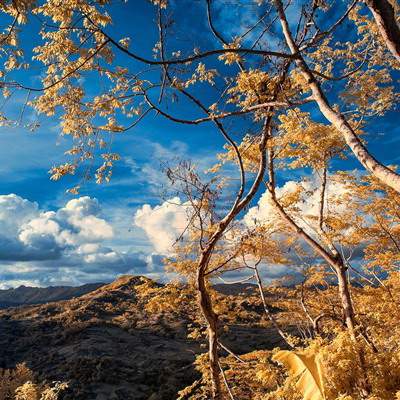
[49,237]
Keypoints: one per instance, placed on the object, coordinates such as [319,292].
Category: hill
[34,295]
[108,347]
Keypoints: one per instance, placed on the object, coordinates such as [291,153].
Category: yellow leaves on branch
[307,143]
[202,74]
[104,172]
[371,92]
[112,126]
[62,170]
[231,58]
[11,63]
[249,151]
[125,42]
[62,12]
[160,3]
[252,87]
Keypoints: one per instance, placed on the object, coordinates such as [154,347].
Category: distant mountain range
[25,295]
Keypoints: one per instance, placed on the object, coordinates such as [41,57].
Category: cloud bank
[70,245]
[166,222]
[76,243]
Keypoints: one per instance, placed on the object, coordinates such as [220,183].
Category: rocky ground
[107,347]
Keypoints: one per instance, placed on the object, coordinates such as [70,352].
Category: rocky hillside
[108,347]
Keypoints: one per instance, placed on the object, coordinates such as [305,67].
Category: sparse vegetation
[18,384]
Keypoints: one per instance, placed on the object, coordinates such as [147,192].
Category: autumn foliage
[304,90]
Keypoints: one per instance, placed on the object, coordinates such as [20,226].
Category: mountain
[33,295]
[28,295]
[108,347]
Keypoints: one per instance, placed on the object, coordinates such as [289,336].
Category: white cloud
[35,229]
[306,215]
[18,282]
[163,224]
[27,233]
[82,215]
[65,246]
[308,205]
[15,211]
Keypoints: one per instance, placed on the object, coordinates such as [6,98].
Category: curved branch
[193,57]
[211,118]
[211,24]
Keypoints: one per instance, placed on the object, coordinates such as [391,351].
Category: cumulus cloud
[166,222]
[14,211]
[70,245]
[308,205]
[27,233]
[163,224]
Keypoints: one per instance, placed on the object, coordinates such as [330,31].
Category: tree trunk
[322,199]
[385,17]
[335,261]
[212,322]
[345,298]
[376,168]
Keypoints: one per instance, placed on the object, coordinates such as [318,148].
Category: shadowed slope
[108,347]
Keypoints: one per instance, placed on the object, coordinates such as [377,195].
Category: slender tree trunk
[385,17]
[212,322]
[345,298]
[322,199]
[314,321]
[376,168]
[335,261]
[267,310]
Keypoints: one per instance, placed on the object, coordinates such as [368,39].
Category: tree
[259,89]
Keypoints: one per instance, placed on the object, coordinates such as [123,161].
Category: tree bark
[322,199]
[385,17]
[345,298]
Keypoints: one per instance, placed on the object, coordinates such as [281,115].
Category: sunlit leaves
[305,142]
